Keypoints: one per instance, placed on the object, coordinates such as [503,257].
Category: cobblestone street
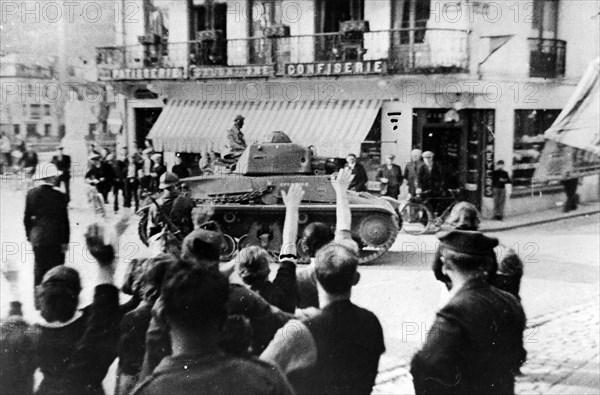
[562,356]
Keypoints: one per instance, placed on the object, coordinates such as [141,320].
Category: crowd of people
[129,173]
[195,324]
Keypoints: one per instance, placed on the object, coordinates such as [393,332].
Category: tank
[251,193]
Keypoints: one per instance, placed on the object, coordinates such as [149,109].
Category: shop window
[47,129]
[530,126]
[16,129]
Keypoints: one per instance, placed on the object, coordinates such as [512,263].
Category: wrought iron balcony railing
[406,51]
[547,57]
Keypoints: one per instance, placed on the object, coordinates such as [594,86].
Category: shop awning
[578,125]
[335,128]
[573,141]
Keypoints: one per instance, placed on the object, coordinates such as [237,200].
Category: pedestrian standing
[157,170]
[99,176]
[412,170]
[28,164]
[119,168]
[570,185]
[131,182]
[63,164]
[144,174]
[46,222]
[359,182]
[6,150]
[390,177]
[499,180]
[475,345]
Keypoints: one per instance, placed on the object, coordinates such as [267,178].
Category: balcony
[547,57]
[404,51]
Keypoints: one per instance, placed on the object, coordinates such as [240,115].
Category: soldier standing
[236,143]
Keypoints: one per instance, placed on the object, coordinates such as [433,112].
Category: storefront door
[144,119]
[464,147]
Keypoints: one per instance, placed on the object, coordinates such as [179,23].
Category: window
[35,111]
[24,108]
[32,130]
[263,14]
[408,14]
[331,12]
[46,109]
[47,129]
[17,129]
[530,126]
[91,130]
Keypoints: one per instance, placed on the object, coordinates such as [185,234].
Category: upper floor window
[263,13]
[331,12]
[208,15]
[35,111]
[411,14]
[46,109]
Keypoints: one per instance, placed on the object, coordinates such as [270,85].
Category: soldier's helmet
[168,180]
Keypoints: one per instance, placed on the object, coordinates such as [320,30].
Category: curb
[538,222]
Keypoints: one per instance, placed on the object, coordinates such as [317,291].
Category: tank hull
[239,201]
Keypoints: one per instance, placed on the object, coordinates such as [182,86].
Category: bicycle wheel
[416,218]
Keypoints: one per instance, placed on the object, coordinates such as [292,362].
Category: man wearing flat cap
[390,177]
[475,345]
[46,221]
[236,143]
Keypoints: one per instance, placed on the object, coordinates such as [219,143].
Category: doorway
[144,120]
[445,143]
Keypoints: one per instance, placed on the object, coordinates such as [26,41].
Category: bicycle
[418,215]
[95,199]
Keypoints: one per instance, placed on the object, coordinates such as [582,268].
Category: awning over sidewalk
[335,128]
[578,125]
[573,141]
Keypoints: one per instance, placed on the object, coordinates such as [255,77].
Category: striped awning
[335,128]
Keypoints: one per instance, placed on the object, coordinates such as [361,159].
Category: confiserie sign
[232,72]
[336,68]
[158,73]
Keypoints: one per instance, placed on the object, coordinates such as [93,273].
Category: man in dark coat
[99,175]
[390,176]
[359,183]
[431,181]
[475,345]
[63,164]
[570,185]
[412,169]
[46,222]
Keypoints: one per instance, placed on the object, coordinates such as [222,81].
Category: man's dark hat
[202,243]
[467,242]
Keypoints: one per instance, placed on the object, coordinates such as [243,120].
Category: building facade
[472,81]
[25,114]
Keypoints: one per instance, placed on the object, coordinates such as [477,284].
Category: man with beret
[475,345]
[46,222]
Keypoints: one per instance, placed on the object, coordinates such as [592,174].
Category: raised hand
[293,197]
[341,181]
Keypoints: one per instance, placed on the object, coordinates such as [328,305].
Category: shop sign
[232,72]
[335,68]
[489,162]
[155,73]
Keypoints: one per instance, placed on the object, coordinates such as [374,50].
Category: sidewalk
[562,356]
[538,217]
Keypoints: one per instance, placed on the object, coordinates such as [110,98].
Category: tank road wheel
[377,233]
[416,218]
[228,248]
